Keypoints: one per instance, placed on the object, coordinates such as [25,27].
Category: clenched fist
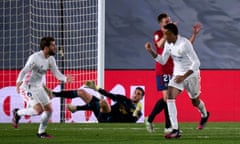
[148,46]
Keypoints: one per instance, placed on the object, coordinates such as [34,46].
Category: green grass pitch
[94,133]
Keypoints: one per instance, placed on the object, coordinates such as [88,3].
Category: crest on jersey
[179,52]
[31,65]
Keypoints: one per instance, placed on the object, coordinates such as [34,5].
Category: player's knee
[104,106]
[170,96]
[50,110]
[195,102]
[81,93]
[39,111]
[170,93]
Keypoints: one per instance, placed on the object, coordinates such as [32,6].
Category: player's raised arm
[148,47]
[196,29]
[57,73]
[159,58]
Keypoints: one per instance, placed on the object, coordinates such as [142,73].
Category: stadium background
[129,24]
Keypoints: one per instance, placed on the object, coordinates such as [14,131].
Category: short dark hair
[141,89]
[46,41]
[171,27]
[162,16]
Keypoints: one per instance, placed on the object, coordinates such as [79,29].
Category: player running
[29,85]
[124,110]
[164,73]
[186,75]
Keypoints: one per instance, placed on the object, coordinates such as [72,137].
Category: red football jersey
[168,67]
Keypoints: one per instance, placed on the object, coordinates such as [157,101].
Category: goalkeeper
[124,110]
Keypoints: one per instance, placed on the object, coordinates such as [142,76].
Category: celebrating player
[124,110]
[185,75]
[29,85]
[164,73]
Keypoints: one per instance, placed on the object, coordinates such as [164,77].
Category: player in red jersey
[164,73]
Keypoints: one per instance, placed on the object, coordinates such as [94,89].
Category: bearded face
[52,49]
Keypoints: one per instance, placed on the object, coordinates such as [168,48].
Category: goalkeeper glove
[137,112]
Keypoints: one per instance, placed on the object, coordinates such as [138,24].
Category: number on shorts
[166,77]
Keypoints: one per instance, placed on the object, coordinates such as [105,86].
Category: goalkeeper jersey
[122,110]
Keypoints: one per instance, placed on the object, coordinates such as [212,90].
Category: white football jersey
[183,55]
[37,66]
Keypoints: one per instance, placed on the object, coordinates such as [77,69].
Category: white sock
[172,111]
[27,111]
[44,121]
[202,109]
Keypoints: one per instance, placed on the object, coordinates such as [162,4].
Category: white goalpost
[101,42]
[78,29]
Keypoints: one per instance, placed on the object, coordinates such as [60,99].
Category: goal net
[75,25]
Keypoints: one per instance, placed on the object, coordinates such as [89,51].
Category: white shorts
[33,95]
[191,84]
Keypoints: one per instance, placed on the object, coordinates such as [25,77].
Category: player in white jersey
[185,75]
[29,85]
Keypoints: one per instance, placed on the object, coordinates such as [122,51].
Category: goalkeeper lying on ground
[124,110]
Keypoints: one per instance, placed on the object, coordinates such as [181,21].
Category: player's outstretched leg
[203,121]
[65,94]
[16,118]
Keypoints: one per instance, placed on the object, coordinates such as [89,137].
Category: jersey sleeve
[162,59]
[157,36]
[114,97]
[28,67]
[191,54]
[54,69]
